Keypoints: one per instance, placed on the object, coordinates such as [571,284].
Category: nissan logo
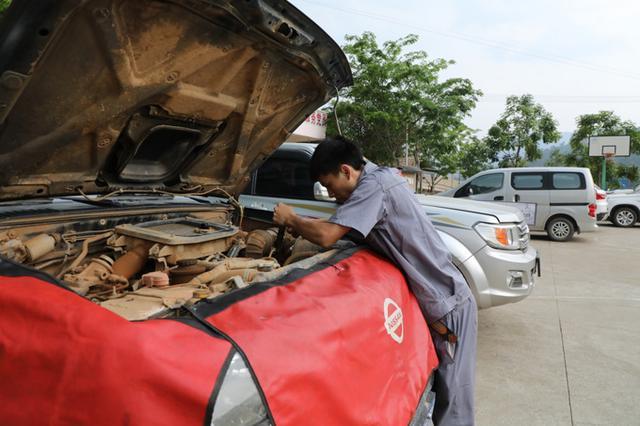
[393,320]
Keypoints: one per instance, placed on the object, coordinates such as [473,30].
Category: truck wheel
[624,217]
[560,229]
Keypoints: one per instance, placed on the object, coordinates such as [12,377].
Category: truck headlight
[499,236]
[238,401]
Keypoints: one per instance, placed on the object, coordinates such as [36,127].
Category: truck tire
[560,229]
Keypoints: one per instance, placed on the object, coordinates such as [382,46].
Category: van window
[568,180]
[527,180]
[487,183]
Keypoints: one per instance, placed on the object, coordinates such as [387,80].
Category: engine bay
[151,266]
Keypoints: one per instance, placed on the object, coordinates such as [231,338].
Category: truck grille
[523,238]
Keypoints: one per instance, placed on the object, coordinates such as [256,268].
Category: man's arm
[317,231]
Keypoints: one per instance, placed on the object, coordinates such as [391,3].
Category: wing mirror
[463,191]
[320,193]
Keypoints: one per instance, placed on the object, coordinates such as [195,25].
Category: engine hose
[231,264]
[131,262]
[84,252]
[247,275]
[259,242]
[301,255]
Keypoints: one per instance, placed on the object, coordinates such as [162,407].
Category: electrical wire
[483,42]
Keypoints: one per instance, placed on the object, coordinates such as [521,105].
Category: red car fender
[67,361]
[344,343]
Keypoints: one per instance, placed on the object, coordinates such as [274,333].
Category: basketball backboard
[609,146]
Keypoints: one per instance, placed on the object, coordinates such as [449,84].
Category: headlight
[238,402]
[500,236]
[424,412]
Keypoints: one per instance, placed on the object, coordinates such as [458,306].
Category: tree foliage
[4,4]
[556,159]
[629,171]
[522,126]
[603,123]
[474,155]
[398,99]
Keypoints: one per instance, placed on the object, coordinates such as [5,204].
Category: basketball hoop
[608,147]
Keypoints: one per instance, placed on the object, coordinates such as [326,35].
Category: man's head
[336,164]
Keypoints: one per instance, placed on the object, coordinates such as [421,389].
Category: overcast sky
[575,57]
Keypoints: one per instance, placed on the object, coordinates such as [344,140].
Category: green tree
[603,123]
[474,155]
[521,127]
[398,101]
[630,171]
[556,159]
[440,158]
[4,4]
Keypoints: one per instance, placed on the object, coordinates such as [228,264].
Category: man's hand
[318,231]
[283,215]
[293,232]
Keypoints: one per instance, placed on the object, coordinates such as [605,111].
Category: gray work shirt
[384,210]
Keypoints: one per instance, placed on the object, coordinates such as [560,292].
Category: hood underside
[100,95]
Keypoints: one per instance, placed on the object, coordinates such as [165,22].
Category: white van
[558,200]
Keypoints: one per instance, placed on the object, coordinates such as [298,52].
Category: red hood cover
[343,343]
[67,361]
[346,344]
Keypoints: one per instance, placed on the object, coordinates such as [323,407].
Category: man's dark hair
[331,153]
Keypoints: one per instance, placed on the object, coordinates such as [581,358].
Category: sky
[574,57]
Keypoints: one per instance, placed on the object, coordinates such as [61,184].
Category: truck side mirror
[462,191]
[320,193]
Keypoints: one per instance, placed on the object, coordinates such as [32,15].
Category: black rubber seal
[211,405]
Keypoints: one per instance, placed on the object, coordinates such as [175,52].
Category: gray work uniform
[385,212]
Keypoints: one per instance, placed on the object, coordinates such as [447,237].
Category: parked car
[624,191]
[489,243]
[558,200]
[624,208]
[129,293]
[602,206]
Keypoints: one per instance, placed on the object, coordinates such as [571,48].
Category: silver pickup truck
[489,243]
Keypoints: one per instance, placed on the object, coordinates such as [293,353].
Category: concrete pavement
[569,354]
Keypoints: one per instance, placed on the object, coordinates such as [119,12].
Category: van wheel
[560,229]
[624,217]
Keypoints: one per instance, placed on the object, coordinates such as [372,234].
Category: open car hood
[100,95]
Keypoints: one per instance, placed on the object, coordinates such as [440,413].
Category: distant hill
[547,149]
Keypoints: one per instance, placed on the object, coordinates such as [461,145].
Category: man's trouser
[454,382]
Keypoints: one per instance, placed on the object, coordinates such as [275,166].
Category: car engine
[151,267]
